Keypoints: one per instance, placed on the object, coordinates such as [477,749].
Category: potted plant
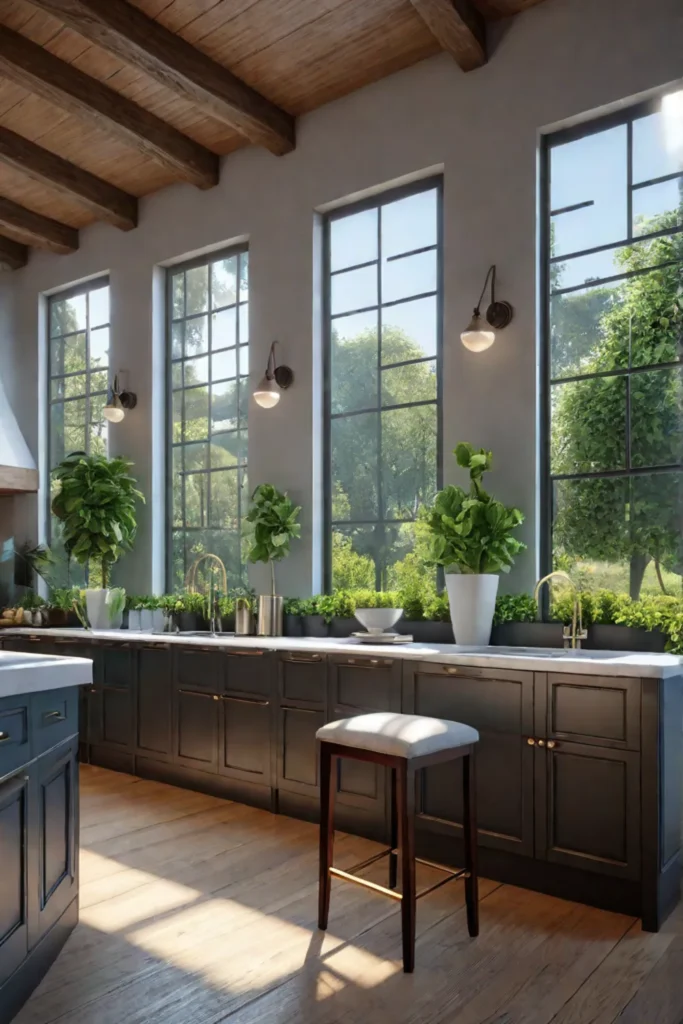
[515,624]
[377,610]
[343,608]
[96,507]
[293,616]
[471,538]
[314,623]
[273,520]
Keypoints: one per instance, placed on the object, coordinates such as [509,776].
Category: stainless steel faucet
[214,615]
[572,635]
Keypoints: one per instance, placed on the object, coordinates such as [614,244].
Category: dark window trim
[206,259]
[370,203]
[549,141]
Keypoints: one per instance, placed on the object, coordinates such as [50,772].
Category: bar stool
[404,743]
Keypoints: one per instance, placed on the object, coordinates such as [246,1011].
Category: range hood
[18,473]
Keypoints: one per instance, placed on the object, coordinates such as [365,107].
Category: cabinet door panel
[111,717]
[248,672]
[367,684]
[56,796]
[117,665]
[197,669]
[14,843]
[599,710]
[303,678]
[54,715]
[15,733]
[246,739]
[154,700]
[593,808]
[197,717]
[297,750]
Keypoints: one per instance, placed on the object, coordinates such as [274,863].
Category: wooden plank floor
[195,910]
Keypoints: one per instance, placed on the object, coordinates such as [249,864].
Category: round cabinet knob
[551,744]
[216,697]
[541,743]
[531,742]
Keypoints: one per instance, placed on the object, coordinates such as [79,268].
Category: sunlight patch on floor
[133,908]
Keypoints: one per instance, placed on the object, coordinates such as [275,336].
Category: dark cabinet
[110,718]
[249,671]
[500,705]
[599,710]
[198,668]
[14,880]
[297,760]
[303,679]
[154,735]
[197,718]
[53,843]
[245,739]
[15,735]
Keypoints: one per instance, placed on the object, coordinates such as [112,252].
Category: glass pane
[409,330]
[177,416]
[196,336]
[591,532]
[57,388]
[57,451]
[223,543]
[415,382]
[409,223]
[655,152]
[651,312]
[224,406]
[656,513]
[585,331]
[68,355]
[224,364]
[75,386]
[178,559]
[67,315]
[657,207]
[223,329]
[353,362]
[244,277]
[244,323]
[408,460]
[196,456]
[588,430]
[613,262]
[400,544]
[197,290]
[196,371]
[228,449]
[243,359]
[196,499]
[177,470]
[656,418]
[353,239]
[224,500]
[411,275]
[354,289]
[99,347]
[353,557]
[196,413]
[99,381]
[243,402]
[224,282]
[354,467]
[592,169]
[99,306]
[176,375]
[177,331]
[178,291]
[98,437]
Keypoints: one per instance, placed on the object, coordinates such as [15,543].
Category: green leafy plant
[62,598]
[515,608]
[116,601]
[376,599]
[273,518]
[471,532]
[96,506]
[294,606]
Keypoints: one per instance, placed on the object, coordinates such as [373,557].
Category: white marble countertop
[33,673]
[541,659]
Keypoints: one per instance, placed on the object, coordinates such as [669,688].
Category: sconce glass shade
[114,410]
[478,336]
[267,394]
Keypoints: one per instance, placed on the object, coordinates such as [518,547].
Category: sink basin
[190,632]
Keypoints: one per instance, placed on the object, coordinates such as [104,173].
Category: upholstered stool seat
[405,744]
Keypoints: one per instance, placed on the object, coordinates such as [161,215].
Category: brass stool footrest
[350,876]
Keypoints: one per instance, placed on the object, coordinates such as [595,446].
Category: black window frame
[377,200]
[206,259]
[626,116]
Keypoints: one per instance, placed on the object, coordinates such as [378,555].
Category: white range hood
[18,473]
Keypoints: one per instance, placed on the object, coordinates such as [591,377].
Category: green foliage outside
[273,524]
[96,504]
[471,532]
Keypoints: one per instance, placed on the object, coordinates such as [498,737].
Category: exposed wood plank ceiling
[103,101]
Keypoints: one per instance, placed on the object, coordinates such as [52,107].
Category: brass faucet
[191,585]
[572,635]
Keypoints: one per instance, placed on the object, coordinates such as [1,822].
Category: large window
[383,357]
[208,346]
[613,330]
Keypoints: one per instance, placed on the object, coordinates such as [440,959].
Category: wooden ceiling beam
[103,200]
[458,27]
[35,229]
[13,255]
[140,41]
[37,70]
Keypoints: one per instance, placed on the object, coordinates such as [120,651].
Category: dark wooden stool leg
[327,788]
[470,830]
[393,857]
[406,813]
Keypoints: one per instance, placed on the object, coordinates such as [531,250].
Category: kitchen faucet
[191,584]
[572,636]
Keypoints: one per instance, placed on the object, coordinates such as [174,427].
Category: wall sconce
[119,402]
[276,378]
[478,336]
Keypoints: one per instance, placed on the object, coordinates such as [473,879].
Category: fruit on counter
[23,617]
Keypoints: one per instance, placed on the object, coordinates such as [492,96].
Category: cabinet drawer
[303,677]
[54,717]
[117,666]
[15,736]
[248,671]
[600,710]
[196,668]
[369,684]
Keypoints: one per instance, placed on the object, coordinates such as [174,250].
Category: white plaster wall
[558,61]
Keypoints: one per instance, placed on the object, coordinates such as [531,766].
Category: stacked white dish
[378,624]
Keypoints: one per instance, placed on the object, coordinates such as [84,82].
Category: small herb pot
[293,625]
[343,627]
[315,625]
[58,618]
[134,620]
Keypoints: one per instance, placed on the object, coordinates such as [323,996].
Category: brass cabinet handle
[304,660]
[243,654]
[304,711]
[198,693]
[155,647]
[246,700]
[215,696]
[34,639]
[450,669]
[369,662]
[551,744]
[115,643]
[531,741]
[92,689]
[4,736]
[56,716]
[58,640]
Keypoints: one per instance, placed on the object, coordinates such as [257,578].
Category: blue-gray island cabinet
[39,697]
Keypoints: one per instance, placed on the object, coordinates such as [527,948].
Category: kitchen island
[39,697]
[580,762]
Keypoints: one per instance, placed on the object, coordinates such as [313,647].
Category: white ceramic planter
[134,620]
[146,620]
[472,602]
[97,609]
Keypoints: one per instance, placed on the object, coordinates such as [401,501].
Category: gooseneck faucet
[213,609]
[571,634]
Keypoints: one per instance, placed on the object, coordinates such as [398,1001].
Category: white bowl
[377,620]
